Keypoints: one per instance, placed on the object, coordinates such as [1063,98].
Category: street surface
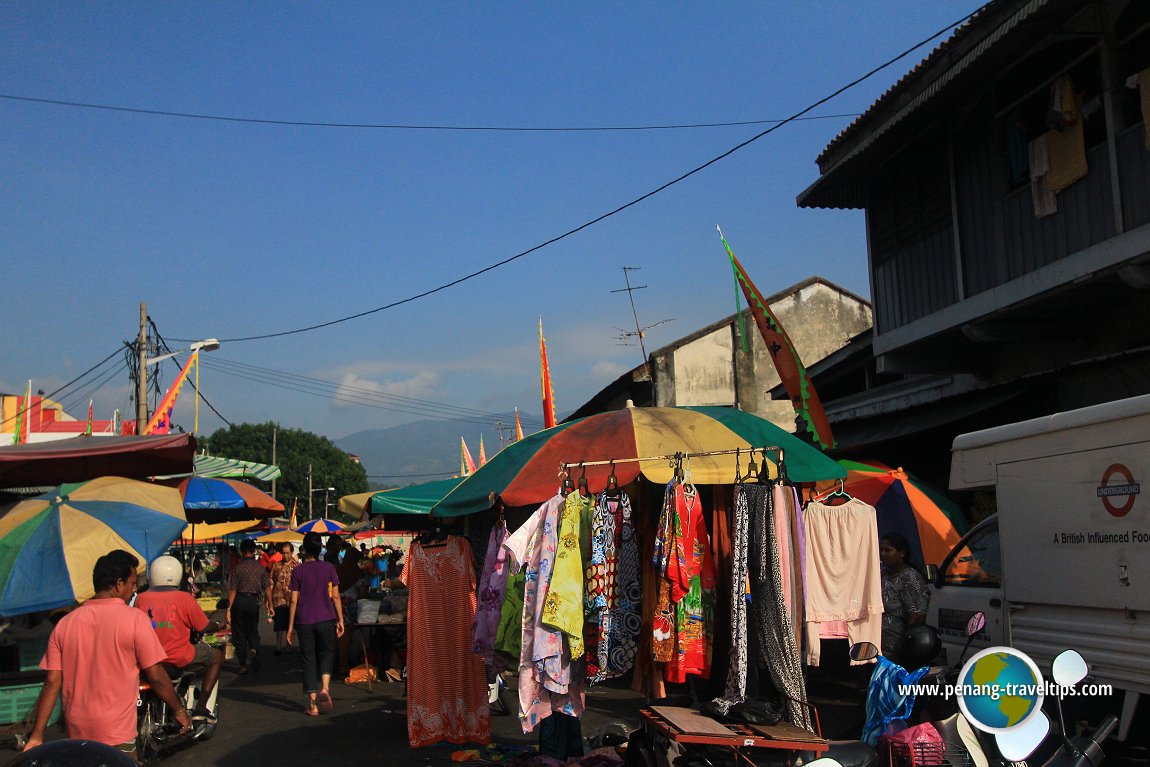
[262,722]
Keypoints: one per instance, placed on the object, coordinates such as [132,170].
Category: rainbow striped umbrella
[930,522]
[49,544]
[323,526]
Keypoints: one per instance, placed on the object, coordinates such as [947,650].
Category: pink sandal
[325,700]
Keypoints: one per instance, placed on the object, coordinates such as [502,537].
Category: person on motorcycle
[95,656]
[175,615]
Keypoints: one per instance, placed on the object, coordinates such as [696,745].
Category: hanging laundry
[691,573]
[489,596]
[547,682]
[446,686]
[769,620]
[843,578]
[663,629]
[612,592]
[736,687]
[563,605]
[1041,196]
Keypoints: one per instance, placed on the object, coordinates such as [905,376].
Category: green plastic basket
[17,701]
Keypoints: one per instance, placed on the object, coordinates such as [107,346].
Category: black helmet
[919,646]
[73,753]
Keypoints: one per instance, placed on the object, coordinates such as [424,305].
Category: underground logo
[1118,489]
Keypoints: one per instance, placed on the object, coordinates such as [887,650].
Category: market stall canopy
[414,499]
[283,536]
[204,532]
[78,459]
[49,545]
[225,500]
[929,521]
[233,468]
[526,472]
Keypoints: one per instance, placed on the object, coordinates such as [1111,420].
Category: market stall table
[400,627]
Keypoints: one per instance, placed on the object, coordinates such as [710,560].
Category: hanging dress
[489,596]
[613,593]
[691,574]
[663,627]
[446,685]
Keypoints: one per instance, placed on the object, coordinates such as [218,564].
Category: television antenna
[640,331]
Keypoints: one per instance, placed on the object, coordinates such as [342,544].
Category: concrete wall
[711,368]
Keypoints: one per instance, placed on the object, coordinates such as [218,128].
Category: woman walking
[281,594]
[316,611]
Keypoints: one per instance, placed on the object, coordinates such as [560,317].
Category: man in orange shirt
[95,656]
[175,615]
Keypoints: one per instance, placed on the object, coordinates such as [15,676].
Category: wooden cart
[685,725]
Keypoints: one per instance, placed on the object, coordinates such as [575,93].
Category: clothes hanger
[763,476]
[568,485]
[688,484]
[613,490]
[738,468]
[839,493]
[435,537]
[584,489]
[752,470]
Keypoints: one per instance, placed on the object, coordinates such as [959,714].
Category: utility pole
[274,430]
[310,515]
[142,374]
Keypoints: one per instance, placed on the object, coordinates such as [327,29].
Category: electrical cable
[383,397]
[78,401]
[403,126]
[613,212]
[168,349]
[351,400]
[51,395]
[409,476]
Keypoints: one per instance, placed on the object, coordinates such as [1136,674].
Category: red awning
[82,458]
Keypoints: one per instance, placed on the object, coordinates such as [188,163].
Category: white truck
[1065,562]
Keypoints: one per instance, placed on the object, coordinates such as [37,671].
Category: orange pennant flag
[545,375]
[518,426]
[466,464]
[161,422]
[482,452]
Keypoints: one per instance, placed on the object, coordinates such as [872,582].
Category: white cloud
[357,388]
[607,371]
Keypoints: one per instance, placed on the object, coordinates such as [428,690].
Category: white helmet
[165,571]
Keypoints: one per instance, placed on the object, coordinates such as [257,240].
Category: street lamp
[205,345]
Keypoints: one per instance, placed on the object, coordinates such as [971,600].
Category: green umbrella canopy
[416,499]
[526,472]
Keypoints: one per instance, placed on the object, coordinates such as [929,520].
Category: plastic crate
[30,652]
[17,701]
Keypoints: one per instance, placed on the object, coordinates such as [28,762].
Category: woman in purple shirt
[317,612]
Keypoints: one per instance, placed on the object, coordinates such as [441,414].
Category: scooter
[158,732]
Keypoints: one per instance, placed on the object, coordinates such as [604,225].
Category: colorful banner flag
[482,452]
[23,419]
[88,428]
[161,422]
[466,464]
[785,357]
[518,426]
[545,376]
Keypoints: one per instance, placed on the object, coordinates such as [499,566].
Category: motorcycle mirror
[1069,668]
[859,652]
[825,761]
[976,624]
[1018,744]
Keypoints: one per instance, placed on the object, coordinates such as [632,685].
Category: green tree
[296,450]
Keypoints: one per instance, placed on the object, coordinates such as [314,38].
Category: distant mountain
[422,451]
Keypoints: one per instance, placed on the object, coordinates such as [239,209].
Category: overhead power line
[431,291]
[75,380]
[402,126]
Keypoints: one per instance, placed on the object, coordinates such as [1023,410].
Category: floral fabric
[563,606]
[281,578]
[493,581]
[691,574]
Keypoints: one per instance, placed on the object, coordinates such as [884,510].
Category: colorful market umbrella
[204,533]
[225,500]
[283,536]
[322,526]
[49,544]
[930,522]
[526,472]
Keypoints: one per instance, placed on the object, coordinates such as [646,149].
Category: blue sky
[232,229]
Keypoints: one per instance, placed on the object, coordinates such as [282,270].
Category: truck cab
[967,581]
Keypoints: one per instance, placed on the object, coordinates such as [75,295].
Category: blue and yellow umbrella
[322,526]
[49,544]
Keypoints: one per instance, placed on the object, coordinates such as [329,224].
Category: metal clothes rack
[681,456]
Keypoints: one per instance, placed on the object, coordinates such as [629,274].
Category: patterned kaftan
[612,593]
[446,685]
[691,574]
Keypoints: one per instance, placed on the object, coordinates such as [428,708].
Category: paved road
[262,724]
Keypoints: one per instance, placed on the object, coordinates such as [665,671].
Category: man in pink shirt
[95,655]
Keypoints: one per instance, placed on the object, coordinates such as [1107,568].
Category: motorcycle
[158,732]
